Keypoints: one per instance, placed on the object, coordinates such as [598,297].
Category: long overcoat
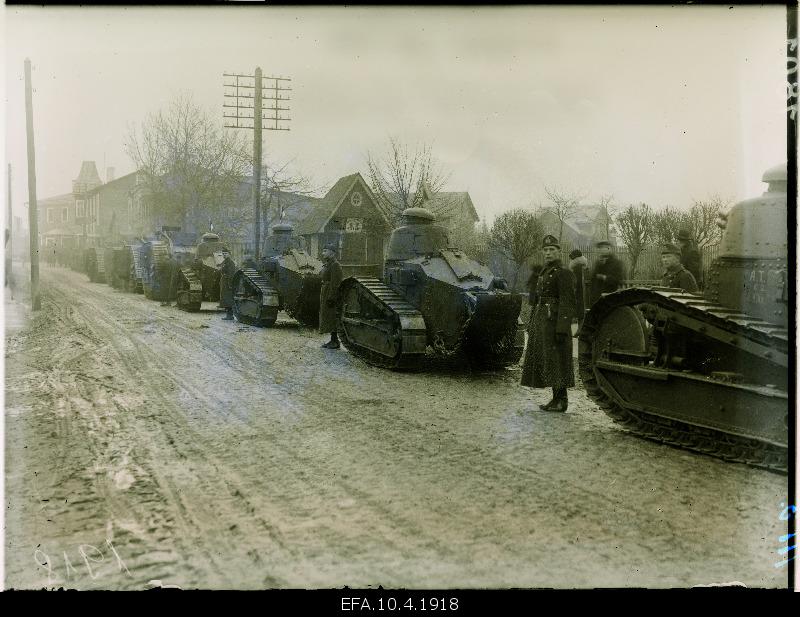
[548,358]
[227,270]
[331,276]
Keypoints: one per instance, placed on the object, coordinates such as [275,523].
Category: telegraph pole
[36,302]
[239,89]
[9,239]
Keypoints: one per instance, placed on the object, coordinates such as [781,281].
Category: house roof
[322,211]
[444,204]
[58,200]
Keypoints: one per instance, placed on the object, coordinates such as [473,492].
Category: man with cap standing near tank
[227,270]
[675,275]
[607,274]
[577,265]
[328,296]
[548,357]
[690,256]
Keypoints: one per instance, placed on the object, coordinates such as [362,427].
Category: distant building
[585,226]
[453,210]
[61,219]
[349,217]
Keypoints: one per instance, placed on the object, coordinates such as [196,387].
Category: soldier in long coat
[328,296]
[548,356]
[690,255]
[578,265]
[227,270]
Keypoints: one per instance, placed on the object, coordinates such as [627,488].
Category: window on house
[64,215]
[80,208]
[51,215]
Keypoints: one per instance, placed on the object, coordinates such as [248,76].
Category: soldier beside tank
[690,255]
[607,275]
[328,294]
[675,274]
[578,265]
[548,356]
[227,270]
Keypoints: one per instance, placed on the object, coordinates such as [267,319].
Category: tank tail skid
[190,291]
[255,301]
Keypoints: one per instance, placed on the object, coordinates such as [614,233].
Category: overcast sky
[653,104]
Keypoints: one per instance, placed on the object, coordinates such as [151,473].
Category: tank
[117,268]
[160,255]
[198,278]
[286,278]
[432,300]
[94,264]
[134,249]
[705,372]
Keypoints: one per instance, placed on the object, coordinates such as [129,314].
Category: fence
[648,266]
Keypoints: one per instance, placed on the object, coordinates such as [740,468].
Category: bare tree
[666,224]
[636,228]
[607,213]
[564,205]
[701,220]
[516,234]
[191,169]
[398,176]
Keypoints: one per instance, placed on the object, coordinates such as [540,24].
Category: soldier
[172,287]
[675,275]
[690,256]
[331,279]
[548,357]
[577,265]
[227,270]
[607,275]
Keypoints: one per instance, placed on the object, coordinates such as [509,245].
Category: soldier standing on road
[607,275]
[172,288]
[577,265]
[227,270]
[675,275]
[690,255]
[548,356]
[328,295]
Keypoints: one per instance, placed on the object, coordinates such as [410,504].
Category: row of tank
[708,373]
[433,300]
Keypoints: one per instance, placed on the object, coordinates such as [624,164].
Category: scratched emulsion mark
[788,550]
[91,556]
[791,81]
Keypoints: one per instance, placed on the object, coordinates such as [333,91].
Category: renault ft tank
[707,373]
[198,280]
[160,255]
[432,300]
[286,278]
[94,264]
[115,260]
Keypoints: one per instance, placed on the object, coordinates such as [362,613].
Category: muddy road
[144,443]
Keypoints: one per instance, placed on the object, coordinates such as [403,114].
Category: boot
[548,406]
[559,402]
[333,343]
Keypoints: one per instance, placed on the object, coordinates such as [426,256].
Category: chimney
[109,174]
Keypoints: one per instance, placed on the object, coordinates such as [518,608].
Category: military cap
[550,241]
[684,234]
[668,249]
[602,243]
[575,253]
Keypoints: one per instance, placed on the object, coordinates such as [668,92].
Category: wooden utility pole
[10,237]
[36,302]
[239,116]
[257,162]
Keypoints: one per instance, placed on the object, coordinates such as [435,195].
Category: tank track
[717,322]
[190,291]
[135,275]
[156,283]
[268,314]
[413,334]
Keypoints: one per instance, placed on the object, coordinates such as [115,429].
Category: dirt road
[146,443]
